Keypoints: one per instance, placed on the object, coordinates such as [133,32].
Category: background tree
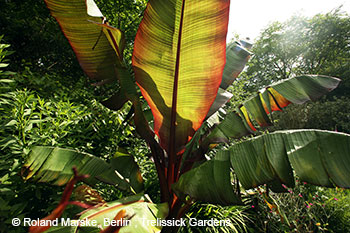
[317,45]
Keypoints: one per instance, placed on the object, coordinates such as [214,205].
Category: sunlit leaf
[89,41]
[178,59]
[137,206]
[296,90]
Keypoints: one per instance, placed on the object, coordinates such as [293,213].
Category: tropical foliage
[183,69]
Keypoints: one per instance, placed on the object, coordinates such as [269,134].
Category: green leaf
[236,58]
[116,101]
[128,168]
[83,25]
[222,98]
[8,73]
[209,182]
[306,87]
[6,80]
[296,90]
[178,59]
[232,126]
[246,44]
[49,164]
[3,65]
[317,157]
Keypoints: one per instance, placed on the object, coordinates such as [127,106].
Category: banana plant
[182,67]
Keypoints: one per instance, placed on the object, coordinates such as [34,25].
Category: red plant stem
[143,129]
[115,228]
[184,209]
[171,150]
[80,204]
[177,168]
[164,192]
[177,210]
[56,213]
[114,42]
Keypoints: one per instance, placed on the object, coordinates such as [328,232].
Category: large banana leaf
[236,58]
[82,23]
[49,164]
[295,90]
[178,59]
[317,157]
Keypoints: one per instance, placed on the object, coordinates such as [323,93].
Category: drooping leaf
[327,153]
[222,98]
[232,126]
[178,59]
[79,21]
[209,182]
[318,157]
[296,90]
[253,161]
[236,58]
[50,164]
[306,87]
[256,111]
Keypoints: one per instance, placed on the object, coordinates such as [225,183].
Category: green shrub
[331,114]
[41,112]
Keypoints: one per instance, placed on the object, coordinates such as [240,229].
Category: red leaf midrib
[172,137]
